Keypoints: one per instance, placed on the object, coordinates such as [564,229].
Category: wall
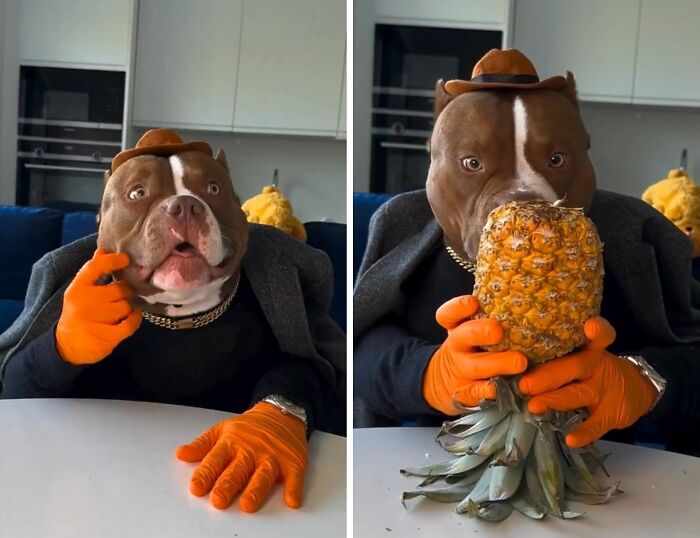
[363,62]
[633,146]
[311,170]
[9,81]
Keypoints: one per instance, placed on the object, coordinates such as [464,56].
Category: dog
[492,147]
[180,221]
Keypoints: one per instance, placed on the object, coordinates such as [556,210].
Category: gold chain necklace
[464,264]
[193,322]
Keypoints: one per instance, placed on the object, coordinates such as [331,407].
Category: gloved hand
[252,451]
[458,369]
[613,390]
[96,318]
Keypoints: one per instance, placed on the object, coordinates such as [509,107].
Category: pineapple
[540,274]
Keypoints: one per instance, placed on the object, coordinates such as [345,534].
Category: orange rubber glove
[254,451]
[613,390]
[458,369]
[96,318]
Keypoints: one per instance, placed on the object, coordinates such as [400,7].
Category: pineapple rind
[540,274]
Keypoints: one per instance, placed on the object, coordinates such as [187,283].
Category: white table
[661,499]
[97,468]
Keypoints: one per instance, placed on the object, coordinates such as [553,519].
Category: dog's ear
[442,98]
[221,159]
[569,89]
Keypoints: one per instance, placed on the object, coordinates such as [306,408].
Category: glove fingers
[456,311]
[111,293]
[260,486]
[557,373]
[123,329]
[475,333]
[589,431]
[599,333]
[473,393]
[210,469]
[200,447]
[98,312]
[101,264]
[567,398]
[487,365]
[232,480]
[294,489]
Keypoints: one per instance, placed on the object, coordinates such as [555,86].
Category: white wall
[311,170]
[363,65]
[633,146]
[9,81]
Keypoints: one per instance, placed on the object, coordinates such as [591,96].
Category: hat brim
[162,150]
[458,87]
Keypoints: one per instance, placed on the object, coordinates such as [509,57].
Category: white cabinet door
[667,60]
[595,40]
[476,13]
[75,31]
[186,63]
[291,66]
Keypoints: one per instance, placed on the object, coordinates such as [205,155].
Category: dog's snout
[181,207]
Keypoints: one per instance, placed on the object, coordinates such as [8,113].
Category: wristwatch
[287,407]
[652,375]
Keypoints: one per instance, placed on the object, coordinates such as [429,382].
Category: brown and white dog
[179,219]
[521,141]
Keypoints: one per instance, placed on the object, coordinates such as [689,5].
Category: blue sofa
[27,233]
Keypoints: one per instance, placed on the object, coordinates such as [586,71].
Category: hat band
[506,78]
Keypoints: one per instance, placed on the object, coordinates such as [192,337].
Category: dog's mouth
[184,267]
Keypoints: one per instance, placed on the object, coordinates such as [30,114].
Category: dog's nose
[180,207]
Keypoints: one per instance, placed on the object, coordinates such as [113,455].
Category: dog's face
[179,220]
[492,147]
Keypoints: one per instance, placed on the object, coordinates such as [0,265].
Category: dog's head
[180,221]
[490,147]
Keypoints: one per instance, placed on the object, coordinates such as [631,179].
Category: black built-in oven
[408,61]
[70,125]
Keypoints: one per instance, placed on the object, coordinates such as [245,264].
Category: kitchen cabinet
[75,32]
[486,14]
[667,63]
[595,40]
[186,64]
[290,70]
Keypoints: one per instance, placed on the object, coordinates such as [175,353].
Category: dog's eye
[213,189]
[137,192]
[557,160]
[472,164]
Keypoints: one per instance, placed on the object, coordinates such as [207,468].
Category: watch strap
[287,407]
[648,371]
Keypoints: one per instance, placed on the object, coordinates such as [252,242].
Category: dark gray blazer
[643,251]
[292,281]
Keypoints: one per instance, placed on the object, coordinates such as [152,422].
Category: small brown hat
[507,69]
[159,142]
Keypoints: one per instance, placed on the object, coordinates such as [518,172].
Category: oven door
[399,163]
[61,184]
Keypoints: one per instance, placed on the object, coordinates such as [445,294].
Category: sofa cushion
[78,224]
[364,204]
[26,234]
[9,311]
[331,238]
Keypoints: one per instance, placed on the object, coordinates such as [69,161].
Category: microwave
[69,127]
